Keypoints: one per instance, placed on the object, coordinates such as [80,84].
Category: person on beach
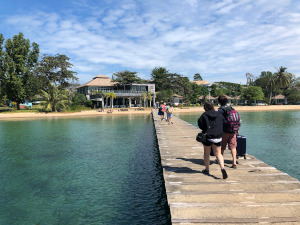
[211,124]
[161,110]
[228,137]
[169,110]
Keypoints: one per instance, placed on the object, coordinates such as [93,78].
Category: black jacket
[214,120]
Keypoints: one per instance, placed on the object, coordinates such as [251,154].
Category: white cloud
[228,37]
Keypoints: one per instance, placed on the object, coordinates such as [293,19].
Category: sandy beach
[28,115]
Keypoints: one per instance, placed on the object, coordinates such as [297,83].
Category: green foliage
[292,94]
[252,93]
[293,99]
[54,70]
[56,98]
[16,68]
[159,76]
[164,81]
[79,99]
[126,77]
[282,78]
[216,90]
[196,92]
[277,83]
[197,76]
[165,96]
[110,95]
[144,97]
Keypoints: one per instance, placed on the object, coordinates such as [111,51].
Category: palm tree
[271,84]
[54,97]
[282,78]
[144,97]
[110,95]
[149,96]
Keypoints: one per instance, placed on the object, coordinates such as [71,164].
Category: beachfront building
[237,100]
[177,99]
[208,98]
[129,95]
[279,99]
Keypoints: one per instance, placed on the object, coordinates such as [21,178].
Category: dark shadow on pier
[196,161]
[187,170]
[201,161]
[180,169]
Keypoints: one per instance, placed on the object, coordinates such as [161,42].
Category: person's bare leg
[206,157]
[217,152]
[233,152]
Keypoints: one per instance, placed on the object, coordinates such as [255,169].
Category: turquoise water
[272,137]
[101,170]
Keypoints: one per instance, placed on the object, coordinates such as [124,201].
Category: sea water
[272,136]
[98,170]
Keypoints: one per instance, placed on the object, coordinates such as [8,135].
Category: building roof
[279,97]
[228,97]
[99,80]
[208,97]
[177,96]
[201,82]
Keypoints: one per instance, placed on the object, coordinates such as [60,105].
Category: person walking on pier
[229,134]
[161,110]
[169,110]
[211,124]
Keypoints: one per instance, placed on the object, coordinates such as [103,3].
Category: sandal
[205,172]
[224,173]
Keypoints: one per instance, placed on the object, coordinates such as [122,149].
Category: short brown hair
[222,99]
[208,105]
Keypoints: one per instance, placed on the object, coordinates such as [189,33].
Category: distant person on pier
[161,110]
[211,124]
[230,128]
[169,110]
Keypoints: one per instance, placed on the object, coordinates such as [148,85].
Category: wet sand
[28,115]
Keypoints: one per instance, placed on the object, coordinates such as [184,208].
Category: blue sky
[220,39]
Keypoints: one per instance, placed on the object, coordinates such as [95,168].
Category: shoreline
[22,116]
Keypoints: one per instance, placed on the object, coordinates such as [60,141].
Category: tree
[216,90]
[270,85]
[169,94]
[197,76]
[125,77]
[149,96]
[55,96]
[144,97]
[252,93]
[160,78]
[282,78]
[196,92]
[165,96]
[181,85]
[110,95]
[16,67]
[54,70]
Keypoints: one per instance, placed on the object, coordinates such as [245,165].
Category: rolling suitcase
[241,146]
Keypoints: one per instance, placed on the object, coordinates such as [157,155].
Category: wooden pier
[254,193]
